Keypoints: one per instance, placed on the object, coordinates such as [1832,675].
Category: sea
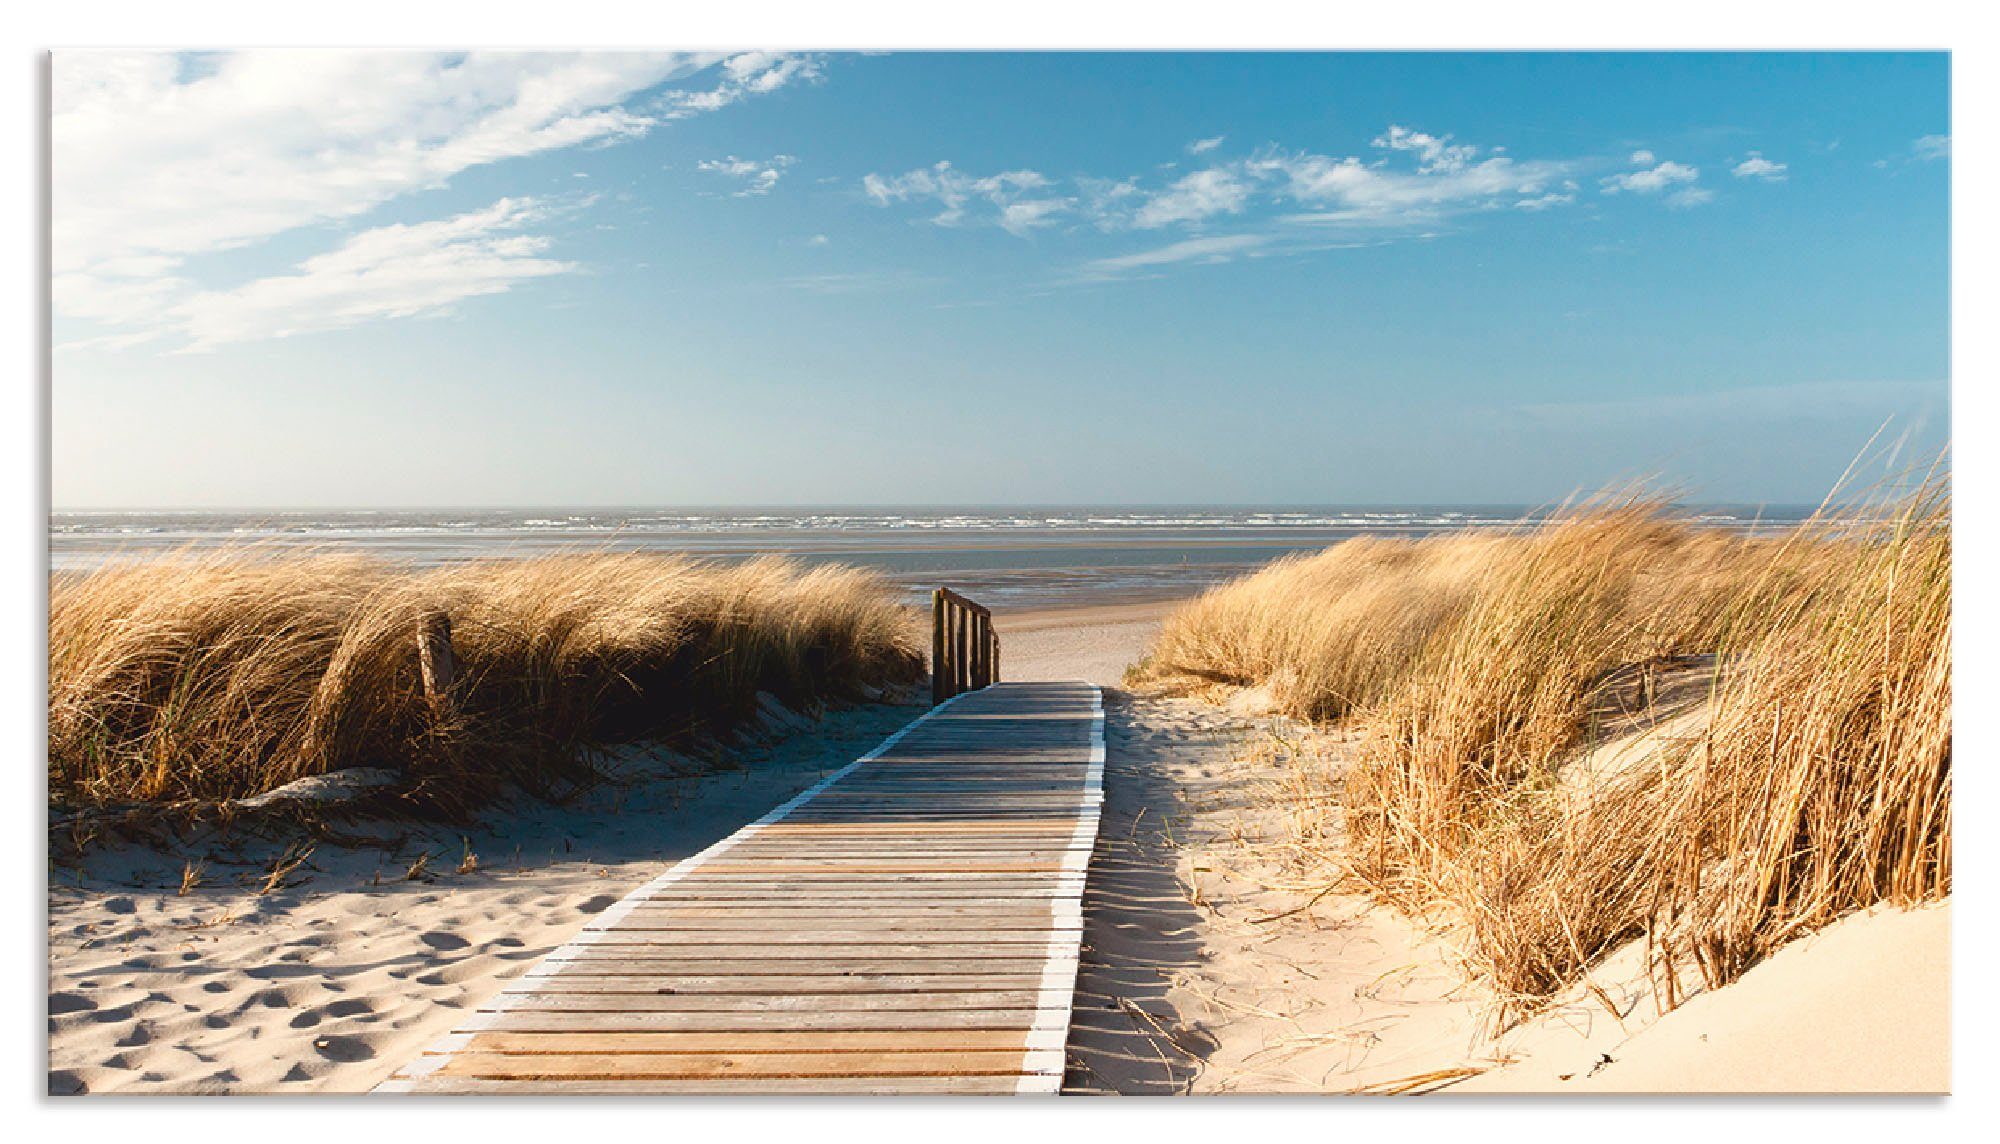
[1016,557]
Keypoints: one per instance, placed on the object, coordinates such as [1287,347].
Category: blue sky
[398,279]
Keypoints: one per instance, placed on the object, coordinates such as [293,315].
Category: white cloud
[1434,154]
[1204,146]
[1219,248]
[1007,193]
[1022,216]
[758,175]
[1758,167]
[1650,180]
[818,240]
[1643,158]
[743,75]
[1544,202]
[1195,197]
[388,272]
[1446,178]
[1447,181]
[1932,147]
[1690,197]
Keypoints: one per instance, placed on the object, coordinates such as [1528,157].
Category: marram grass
[213,677]
[1472,668]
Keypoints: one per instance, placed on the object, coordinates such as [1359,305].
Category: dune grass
[215,677]
[1473,667]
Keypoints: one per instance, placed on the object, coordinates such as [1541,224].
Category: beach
[1228,946]
[1207,970]
[1094,643]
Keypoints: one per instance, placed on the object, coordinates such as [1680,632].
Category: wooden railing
[965,651]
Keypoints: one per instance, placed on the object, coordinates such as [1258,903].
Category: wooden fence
[965,650]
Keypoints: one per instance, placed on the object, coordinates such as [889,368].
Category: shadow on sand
[1140,931]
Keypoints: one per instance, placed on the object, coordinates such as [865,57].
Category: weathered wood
[736,1086]
[940,689]
[435,662]
[960,657]
[912,925]
[741,1021]
[704,1066]
[850,1041]
[805,1002]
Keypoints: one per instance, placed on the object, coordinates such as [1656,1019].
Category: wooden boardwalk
[909,925]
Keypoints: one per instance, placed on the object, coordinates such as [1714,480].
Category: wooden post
[995,666]
[977,666]
[985,653]
[940,691]
[971,649]
[435,660]
[965,649]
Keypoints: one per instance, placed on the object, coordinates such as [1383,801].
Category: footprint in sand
[344,1050]
[443,942]
[60,1003]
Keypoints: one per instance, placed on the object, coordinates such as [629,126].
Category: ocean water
[1014,557]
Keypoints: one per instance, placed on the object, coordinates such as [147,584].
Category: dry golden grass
[1475,668]
[227,675]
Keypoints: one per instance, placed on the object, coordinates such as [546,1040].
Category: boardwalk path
[909,925]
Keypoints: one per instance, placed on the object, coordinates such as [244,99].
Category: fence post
[939,691]
[984,673]
[435,661]
[978,644]
[964,649]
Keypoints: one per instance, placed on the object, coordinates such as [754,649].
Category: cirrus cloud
[395,271]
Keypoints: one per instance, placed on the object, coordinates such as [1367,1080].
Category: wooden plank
[706,1066]
[845,1041]
[882,946]
[739,1021]
[663,918]
[745,968]
[737,1086]
[764,1003]
[795,985]
[667,933]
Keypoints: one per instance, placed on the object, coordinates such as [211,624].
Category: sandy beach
[1094,643]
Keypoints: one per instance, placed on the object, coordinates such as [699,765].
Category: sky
[361,279]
